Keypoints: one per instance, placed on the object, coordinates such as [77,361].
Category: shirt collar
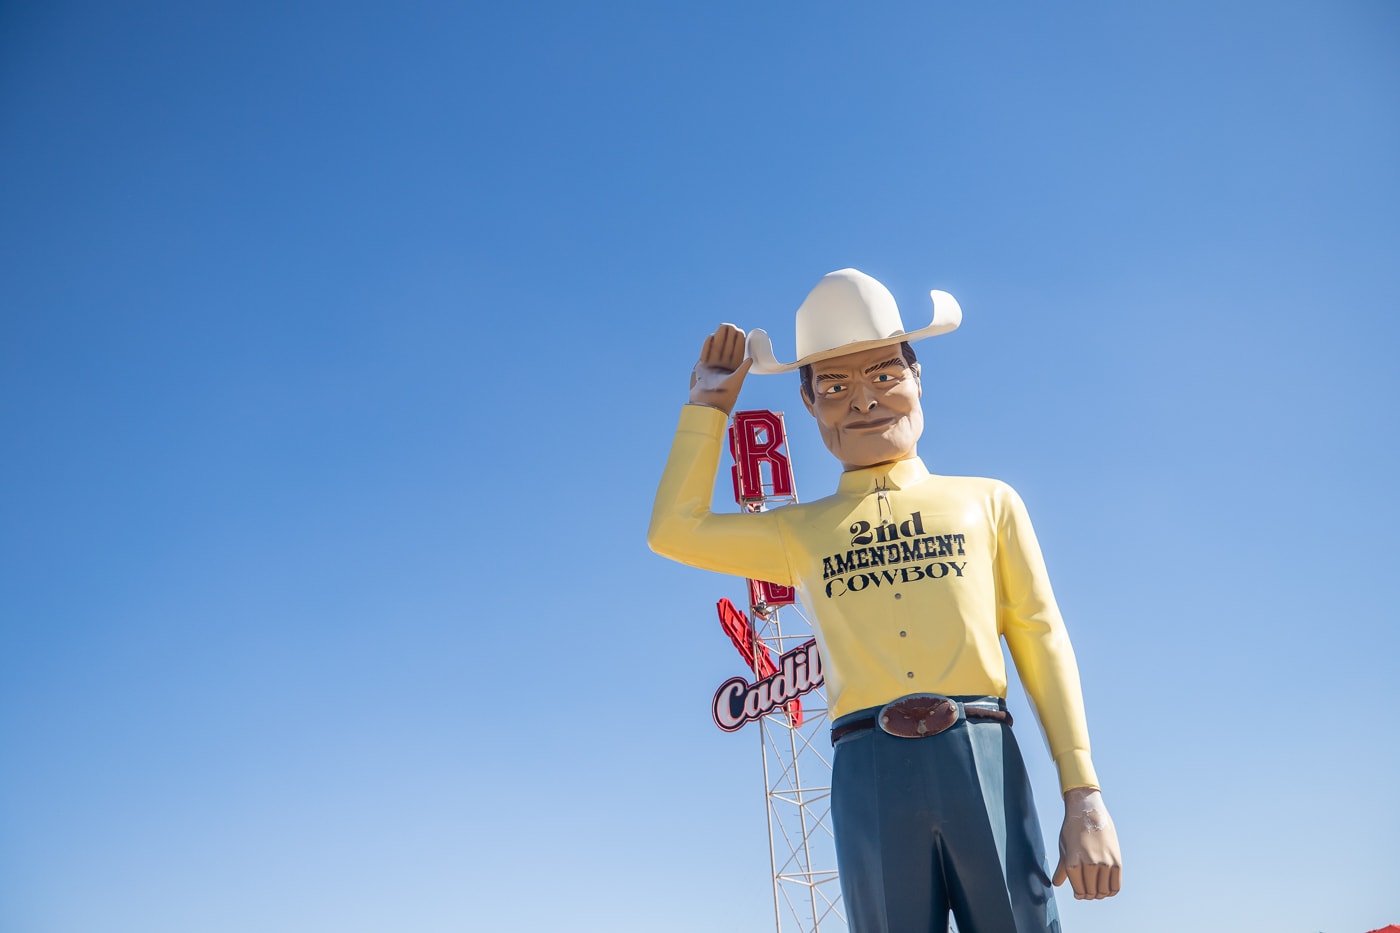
[898,475]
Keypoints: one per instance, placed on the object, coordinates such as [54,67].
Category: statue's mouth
[870,424]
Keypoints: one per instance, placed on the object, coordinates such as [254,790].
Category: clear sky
[341,347]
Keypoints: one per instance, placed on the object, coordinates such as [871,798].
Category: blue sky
[341,350]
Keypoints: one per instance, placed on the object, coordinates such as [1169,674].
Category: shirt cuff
[1076,769]
[702,419]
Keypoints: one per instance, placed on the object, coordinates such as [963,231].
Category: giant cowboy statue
[911,579]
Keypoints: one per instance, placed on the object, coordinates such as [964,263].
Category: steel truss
[797,786]
[796,750]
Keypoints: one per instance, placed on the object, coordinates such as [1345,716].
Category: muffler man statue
[911,580]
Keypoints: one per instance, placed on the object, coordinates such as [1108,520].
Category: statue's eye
[883,377]
[834,389]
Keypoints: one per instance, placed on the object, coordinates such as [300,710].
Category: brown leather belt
[919,716]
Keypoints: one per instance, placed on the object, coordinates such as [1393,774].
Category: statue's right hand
[720,372]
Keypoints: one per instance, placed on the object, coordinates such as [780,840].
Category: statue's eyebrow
[821,376]
[892,361]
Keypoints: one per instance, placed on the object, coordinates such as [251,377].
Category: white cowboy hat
[847,312]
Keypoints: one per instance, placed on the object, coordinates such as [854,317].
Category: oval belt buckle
[918,715]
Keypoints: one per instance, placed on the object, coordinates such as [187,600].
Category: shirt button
[903,634]
[910,674]
[898,595]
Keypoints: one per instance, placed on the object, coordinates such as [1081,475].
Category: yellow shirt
[910,580]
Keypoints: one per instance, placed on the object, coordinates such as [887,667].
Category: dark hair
[806,371]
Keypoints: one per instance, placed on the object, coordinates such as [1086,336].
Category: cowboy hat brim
[947,315]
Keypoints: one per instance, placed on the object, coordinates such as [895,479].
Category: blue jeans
[937,824]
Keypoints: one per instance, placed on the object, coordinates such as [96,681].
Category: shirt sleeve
[1035,634]
[683,528]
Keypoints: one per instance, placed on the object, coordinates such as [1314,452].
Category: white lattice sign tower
[784,698]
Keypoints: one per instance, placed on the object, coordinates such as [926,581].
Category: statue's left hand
[720,371]
[1089,855]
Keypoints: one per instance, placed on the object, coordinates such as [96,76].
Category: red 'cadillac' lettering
[738,702]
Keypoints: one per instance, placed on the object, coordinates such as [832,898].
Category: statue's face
[867,406]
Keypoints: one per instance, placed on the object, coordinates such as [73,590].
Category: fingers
[724,349]
[731,340]
[1090,891]
[1090,882]
[1076,880]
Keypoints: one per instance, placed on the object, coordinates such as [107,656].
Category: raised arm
[682,526]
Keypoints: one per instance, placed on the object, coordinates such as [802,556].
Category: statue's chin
[857,451]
